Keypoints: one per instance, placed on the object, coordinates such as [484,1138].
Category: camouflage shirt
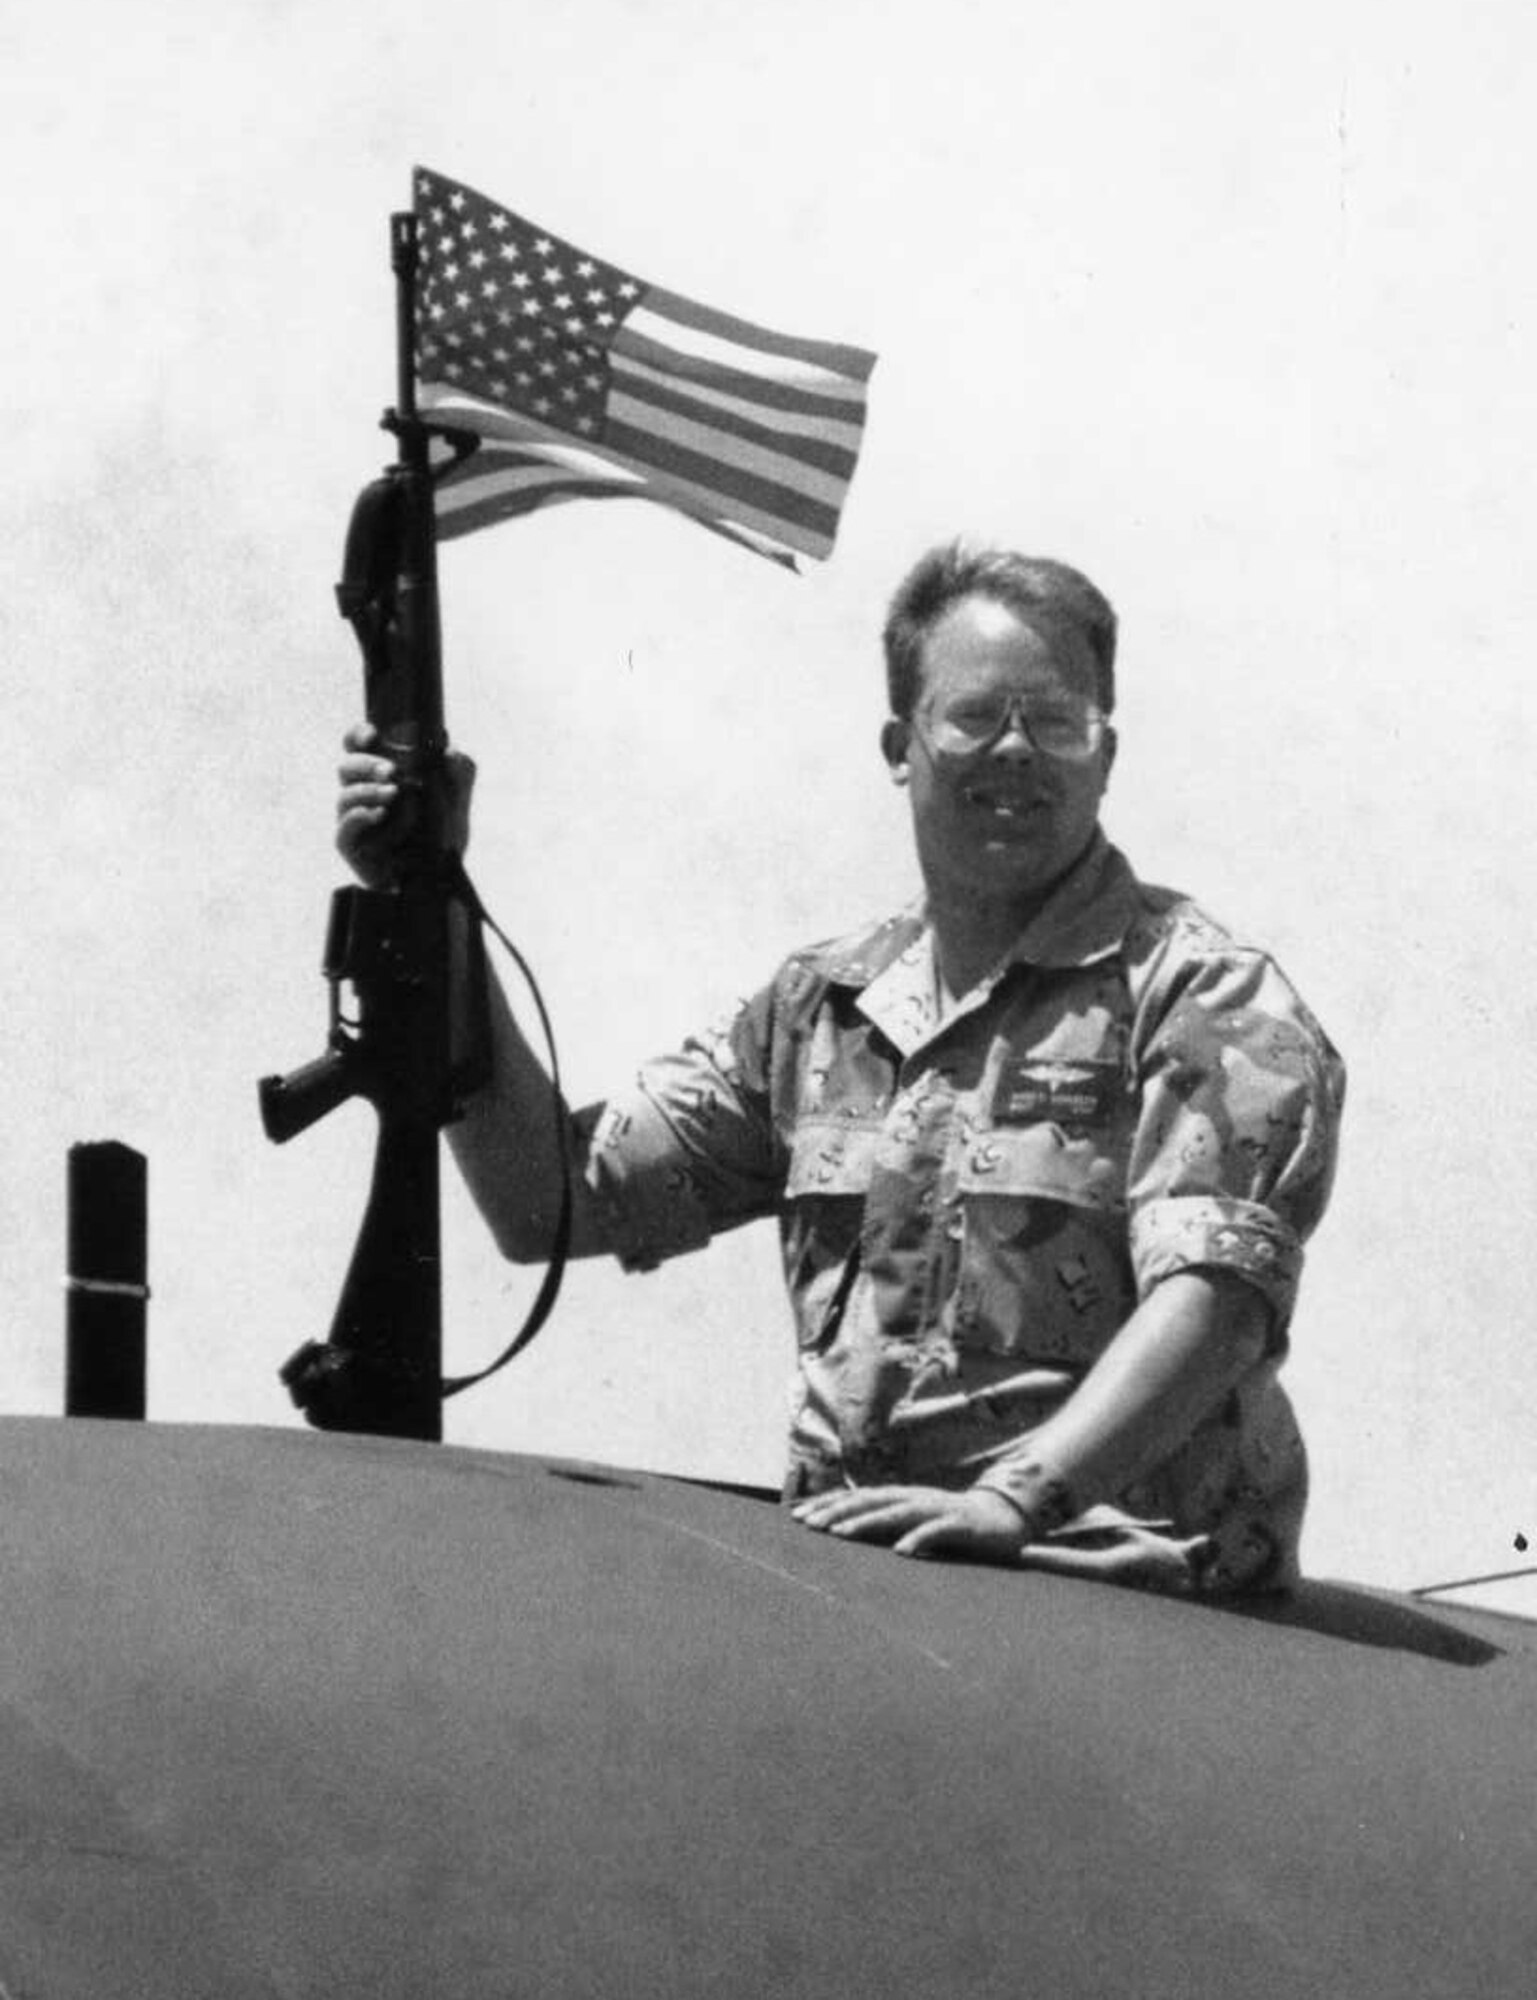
[971,1206]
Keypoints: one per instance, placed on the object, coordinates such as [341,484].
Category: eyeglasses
[966,727]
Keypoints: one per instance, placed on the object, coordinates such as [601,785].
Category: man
[1043,1149]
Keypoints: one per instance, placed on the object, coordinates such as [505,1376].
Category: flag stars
[529,316]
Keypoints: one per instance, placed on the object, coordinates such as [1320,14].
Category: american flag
[583,381]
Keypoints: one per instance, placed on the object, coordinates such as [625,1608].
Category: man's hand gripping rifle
[412,954]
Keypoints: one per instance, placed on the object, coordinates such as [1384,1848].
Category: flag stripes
[733,471]
[644,327]
[511,481]
[696,483]
[746,447]
[630,348]
[641,402]
[695,398]
[835,361]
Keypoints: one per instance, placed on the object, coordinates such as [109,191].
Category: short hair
[1025,584]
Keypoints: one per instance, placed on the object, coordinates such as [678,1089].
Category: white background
[1232,307]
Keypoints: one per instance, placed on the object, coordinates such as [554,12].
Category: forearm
[508,1151]
[1189,1343]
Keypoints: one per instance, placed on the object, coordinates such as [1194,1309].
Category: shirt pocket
[826,1188]
[1044,1269]
[1016,1165]
[831,1165]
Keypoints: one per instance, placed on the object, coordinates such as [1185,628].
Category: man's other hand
[921,1520]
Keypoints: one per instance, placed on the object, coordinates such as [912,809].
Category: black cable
[555,1270]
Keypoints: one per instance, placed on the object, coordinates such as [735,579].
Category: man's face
[1003,820]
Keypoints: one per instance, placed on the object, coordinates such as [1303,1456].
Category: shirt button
[985,1159]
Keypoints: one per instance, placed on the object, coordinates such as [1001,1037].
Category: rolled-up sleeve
[690,1149]
[1233,1156]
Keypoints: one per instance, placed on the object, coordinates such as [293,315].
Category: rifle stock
[380,1370]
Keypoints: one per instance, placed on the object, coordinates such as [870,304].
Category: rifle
[380,1371]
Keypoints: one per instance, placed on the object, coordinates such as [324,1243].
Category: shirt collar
[1087,914]
[1085,918]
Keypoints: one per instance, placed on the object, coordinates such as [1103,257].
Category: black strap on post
[560,1248]
[106,1288]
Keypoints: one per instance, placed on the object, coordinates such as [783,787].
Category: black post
[105,1284]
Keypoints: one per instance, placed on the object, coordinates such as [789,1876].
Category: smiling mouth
[1007,808]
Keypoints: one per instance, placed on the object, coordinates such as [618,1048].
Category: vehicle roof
[294,1714]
